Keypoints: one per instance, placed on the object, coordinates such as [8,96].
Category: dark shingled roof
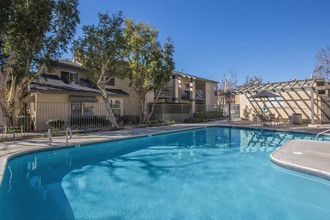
[117,92]
[53,84]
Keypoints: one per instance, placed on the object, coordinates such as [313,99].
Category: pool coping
[18,153]
[4,159]
[297,154]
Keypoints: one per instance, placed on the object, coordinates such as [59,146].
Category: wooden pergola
[303,90]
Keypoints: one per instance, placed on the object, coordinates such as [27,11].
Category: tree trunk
[106,101]
[109,110]
[153,105]
[4,113]
[141,109]
[145,111]
[13,101]
[143,106]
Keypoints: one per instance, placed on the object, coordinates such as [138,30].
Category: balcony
[166,93]
[186,95]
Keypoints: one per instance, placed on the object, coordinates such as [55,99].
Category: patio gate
[234,110]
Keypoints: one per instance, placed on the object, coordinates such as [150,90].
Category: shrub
[10,130]
[169,122]
[131,119]
[246,112]
[55,123]
[208,114]
[171,108]
[194,120]
[85,120]
[25,121]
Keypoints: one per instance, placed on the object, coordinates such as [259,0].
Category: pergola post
[176,88]
[312,107]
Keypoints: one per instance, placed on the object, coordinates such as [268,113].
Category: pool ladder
[322,132]
[68,135]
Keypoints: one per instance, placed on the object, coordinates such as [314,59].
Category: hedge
[55,123]
[83,120]
[25,121]
[172,108]
[130,119]
[194,120]
[208,114]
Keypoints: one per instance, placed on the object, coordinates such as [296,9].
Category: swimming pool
[211,173]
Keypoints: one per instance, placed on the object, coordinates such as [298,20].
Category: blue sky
[276,39]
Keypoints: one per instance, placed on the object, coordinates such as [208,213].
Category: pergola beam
[302,85]
[297,85]
[293,84]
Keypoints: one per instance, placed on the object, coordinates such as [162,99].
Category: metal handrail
[322,132]
[68,131]
[50,136]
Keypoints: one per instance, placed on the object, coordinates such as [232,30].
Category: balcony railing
[186,95]
[166,93]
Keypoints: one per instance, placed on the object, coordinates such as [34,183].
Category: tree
[322,68]
[151,64]
[100,50]
[228,82]
[34,33]
[253,80]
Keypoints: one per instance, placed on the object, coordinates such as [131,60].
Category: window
[110,82]
[116,108]
[321,92]
[115,103]
[87,108]
[215,90]
[76,108]
[81,108]
[320,83]
[69,77]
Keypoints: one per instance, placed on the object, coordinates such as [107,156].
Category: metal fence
[234,110]
[39,117]
[13,133]
[172,111]
[180,111]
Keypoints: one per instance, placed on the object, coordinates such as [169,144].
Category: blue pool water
[212,173]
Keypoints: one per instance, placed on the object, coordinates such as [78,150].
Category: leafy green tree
[100,50]
[322,68]
[253,80]
[5,60]
[151,64]
[34,33]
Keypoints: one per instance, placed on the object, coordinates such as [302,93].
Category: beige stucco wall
[57,106]
[129,105]
[301,104]
[210,98]
[50,106]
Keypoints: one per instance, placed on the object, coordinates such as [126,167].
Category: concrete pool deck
[16,148]
[312,157]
